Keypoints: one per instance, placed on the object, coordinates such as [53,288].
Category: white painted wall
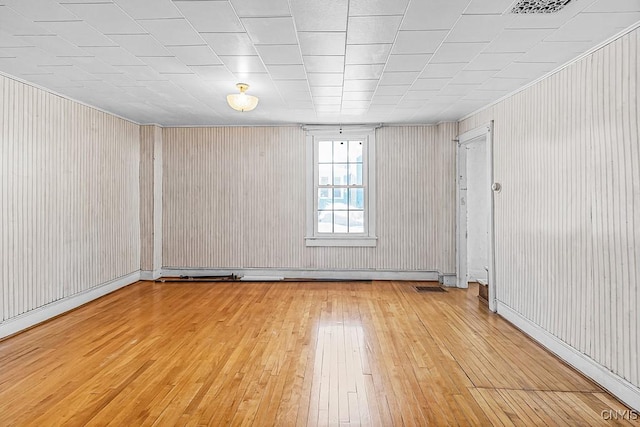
[478,204]
[234,198]
[69,199]
[567,221]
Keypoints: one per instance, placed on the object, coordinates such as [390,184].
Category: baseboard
[56,308]
[616,385]
[150,274]
[448,280]
[306,274]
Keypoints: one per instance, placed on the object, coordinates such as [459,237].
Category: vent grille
[539,6]
[429,289]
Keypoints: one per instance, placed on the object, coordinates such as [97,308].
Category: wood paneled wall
[567,154]
[150,198]
[235,197]
[69,198]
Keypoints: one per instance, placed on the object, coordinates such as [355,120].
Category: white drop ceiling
[309,61]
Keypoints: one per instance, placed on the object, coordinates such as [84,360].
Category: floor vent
[429,289]
[539,6]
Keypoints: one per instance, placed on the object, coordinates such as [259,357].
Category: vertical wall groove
[567,219]
[69,198]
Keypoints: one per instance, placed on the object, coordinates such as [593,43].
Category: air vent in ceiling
[539,6]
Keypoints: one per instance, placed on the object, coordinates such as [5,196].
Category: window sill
[341,241]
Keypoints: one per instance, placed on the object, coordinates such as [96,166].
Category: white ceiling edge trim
[68,98]
[557,70]
[248,125]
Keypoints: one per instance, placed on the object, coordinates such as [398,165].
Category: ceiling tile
[391,90]
[357,96]
[243,64]
[292,85]
[325,15]
[473,77]
[13,24]
[213,72]
[195,55]
[54,45]
[77,32]
[407,62]
[386,99]
[40,10]
[605,6]
[410,42]
[114,55]
[280,54]
[166,64]
[373,71]
[361,85]
[446,70]
[377,7]
[367,53]
[492,61]
[261,8]
[326,91]
[277,30]
[513,41]
[527,70]
[211,16]
[140,72]
[477,28]
[324,64]
[420,14]
[373,29]
[398,78]
[355,104]
[229,43]
[149,9]
[325,79]
[92,65]
[287,72]
[430,84]
[177,32]
[457,90]
[315,43]
[420,95]
[559,52]
[106,17]
[593,26]
[480,7]
[327,100]
[457,52]
[140,44]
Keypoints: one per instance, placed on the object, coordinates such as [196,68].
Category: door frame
[461,210]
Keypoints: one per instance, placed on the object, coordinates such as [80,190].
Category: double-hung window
[341,179]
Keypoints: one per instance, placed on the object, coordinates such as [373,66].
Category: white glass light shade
[241,101]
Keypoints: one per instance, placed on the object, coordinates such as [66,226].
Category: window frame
[312,236]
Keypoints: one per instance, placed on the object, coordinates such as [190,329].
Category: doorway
[474,245]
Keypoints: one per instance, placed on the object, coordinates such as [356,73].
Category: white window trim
[369,239]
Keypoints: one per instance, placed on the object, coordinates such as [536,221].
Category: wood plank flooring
[288,353]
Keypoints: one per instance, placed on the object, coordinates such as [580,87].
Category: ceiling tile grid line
[174,62]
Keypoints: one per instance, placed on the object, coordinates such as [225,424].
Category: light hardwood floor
[335,353]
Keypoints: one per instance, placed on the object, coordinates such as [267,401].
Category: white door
[474,242]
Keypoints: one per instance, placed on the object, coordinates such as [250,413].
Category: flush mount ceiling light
[241,101]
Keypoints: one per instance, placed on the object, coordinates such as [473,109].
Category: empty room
[305,212]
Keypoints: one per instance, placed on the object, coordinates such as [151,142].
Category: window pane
[340,173]
[355,174]
[340,151]
[356,198]
[340,198]
[324,151]
[355,151]
[324,199]
[356,222]
[325,222]
[340,221]
[325,175]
